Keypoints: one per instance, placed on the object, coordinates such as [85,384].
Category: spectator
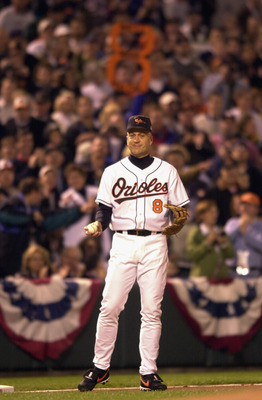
[36,262]
[55,156]
[179,157]
[27,160]
[247,129]
[95,266]
[53,136]
[97,87]
[7,178]
[195,30]
[18,218]
[252,29]
[84,128]
[224,80]
[78,29]
[150,12]
[227,135]
[8,86]
[38,47]
[7,148]
[245,164]
[207,244]
[193,176]
[209,122]
[214,51]
[245,232]
[185,63]
[23,121]
[83,149]
[191,97]
[243,99]
[185,120]
[21,222]
[70,78]
[17,17]
[71,264]
[169,103]
[198,144]
[112,128]
[225,187]
[59,54]
[41,108]
[249,8]
[162,134]
[64,110]
[77,194]
[17,64]
[51,195]
[98,160]
[41,80]
[56,12]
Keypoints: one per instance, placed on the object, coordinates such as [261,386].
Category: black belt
[139,232]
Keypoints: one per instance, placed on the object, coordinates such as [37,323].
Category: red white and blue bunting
[44,317]
[224,314]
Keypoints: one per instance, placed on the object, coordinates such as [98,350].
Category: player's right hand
[94,229]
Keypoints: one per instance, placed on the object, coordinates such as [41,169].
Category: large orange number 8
[157,206]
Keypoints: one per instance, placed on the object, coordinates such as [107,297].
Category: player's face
[139,143]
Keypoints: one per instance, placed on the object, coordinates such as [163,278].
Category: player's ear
[151,138]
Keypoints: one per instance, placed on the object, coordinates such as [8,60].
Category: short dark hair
[29,185]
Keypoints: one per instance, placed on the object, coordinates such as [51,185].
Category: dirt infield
[242,393]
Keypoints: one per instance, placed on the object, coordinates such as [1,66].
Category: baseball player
[132,198]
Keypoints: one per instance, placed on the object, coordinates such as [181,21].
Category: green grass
[29,383]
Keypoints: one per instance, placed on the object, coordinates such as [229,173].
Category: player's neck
[142,162]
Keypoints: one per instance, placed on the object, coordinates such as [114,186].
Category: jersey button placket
[140,208]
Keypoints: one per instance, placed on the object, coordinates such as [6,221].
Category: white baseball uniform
[137,198]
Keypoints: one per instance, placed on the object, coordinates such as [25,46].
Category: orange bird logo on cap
[138,121]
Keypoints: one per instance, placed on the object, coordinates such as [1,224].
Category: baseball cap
[20,102]
[167,98]
[6,164]
[139,123]
[62,30]
[250,198]
[45,169]
[43,25]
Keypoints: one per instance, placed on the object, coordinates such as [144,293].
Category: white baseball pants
[133,258]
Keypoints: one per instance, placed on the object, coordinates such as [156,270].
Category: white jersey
[137,196]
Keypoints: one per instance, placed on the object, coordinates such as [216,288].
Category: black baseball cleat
[151,382]
[92,377]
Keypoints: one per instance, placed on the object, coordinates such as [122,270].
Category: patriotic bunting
[224,314]
[44,317]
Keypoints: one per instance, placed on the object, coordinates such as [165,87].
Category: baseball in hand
[92,228]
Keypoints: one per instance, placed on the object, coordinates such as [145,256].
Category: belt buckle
[137,232]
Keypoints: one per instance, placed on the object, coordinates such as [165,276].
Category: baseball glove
[180,216]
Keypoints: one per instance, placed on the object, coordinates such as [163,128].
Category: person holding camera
[245,232]
[207,244]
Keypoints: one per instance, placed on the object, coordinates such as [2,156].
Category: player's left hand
[94,229]
[180,218]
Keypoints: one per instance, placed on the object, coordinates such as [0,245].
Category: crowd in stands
[63,120]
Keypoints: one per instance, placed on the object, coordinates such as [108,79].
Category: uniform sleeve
[177,192]
[104,194]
